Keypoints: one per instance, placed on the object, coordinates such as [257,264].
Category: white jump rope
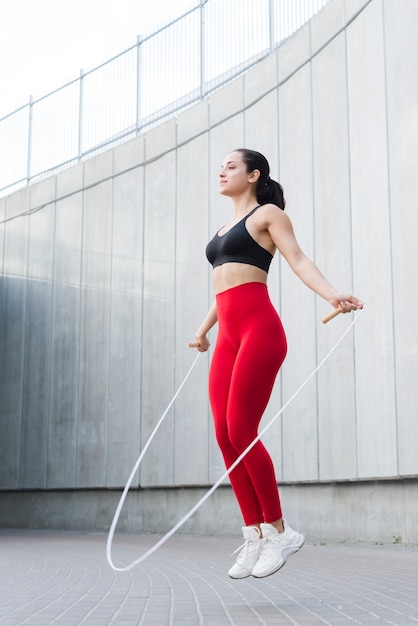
[197,506]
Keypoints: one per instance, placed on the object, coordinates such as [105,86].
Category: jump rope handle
[331,316]
[194,344]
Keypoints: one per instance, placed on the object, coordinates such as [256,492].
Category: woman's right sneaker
[276,549]
[248,556]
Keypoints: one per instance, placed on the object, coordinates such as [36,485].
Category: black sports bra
[237,246]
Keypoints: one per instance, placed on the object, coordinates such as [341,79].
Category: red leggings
[249,351]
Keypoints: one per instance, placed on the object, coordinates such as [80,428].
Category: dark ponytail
[267,190]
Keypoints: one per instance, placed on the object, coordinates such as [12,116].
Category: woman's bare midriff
[231,275]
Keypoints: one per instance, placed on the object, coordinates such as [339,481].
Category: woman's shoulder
[269,213]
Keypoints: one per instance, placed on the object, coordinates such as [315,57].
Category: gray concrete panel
[336,394]
[294,53]
[35,397]
[124,388]
[65,337]
[192,420]
[227,102]
[375,391]
[127,232]
[125,339]
[13,308]
[2,236]
[260,79]
[18,202]
[94,336]
[353,7]
[158,318]
[98,168]
[71,180]
[160,139]
[62,445]
[401,52]
[42,192]
[129,155]
[41,249]
[12,340]
[16,233]
[300,453]
[2,279]
[326,23]
[193,121]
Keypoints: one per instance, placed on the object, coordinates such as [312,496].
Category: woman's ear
[254,176]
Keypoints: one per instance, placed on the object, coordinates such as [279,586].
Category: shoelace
[245,547]
[275,539]
[242,546]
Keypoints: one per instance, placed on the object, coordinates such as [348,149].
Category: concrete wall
[104,285]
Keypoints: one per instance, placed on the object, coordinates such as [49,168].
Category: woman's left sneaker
[276,549]
[248,555]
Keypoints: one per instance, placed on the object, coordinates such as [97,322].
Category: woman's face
[233,177]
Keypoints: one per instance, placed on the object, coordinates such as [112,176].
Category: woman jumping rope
[250,348]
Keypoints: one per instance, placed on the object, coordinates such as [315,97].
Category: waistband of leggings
[240,293]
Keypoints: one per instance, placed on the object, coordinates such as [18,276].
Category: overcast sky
[45,43]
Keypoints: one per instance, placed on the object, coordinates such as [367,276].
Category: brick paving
[62,578]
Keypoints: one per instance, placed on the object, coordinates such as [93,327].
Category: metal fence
[162,73]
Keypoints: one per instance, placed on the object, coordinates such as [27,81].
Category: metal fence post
[202,47]
[138,82]
[80,114]
[29,160]
[272,16]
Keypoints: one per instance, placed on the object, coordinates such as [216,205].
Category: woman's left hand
[346,302]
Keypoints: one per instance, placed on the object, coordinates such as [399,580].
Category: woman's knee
[222,437]
[240,439]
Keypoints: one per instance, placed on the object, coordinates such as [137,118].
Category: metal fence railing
[160,74]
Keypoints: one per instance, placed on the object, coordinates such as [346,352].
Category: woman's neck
[243,205]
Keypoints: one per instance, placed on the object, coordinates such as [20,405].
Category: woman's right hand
[202,343]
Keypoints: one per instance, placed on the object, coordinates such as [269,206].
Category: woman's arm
[208,323]
[281,231]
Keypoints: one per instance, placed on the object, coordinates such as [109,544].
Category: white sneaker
[248,556]
[276,549]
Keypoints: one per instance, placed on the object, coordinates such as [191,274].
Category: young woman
[251,347]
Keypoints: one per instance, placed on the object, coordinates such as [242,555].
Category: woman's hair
[267,190]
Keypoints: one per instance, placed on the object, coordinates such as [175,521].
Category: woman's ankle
[278,525]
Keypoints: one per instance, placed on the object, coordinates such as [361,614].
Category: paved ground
[63,578]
